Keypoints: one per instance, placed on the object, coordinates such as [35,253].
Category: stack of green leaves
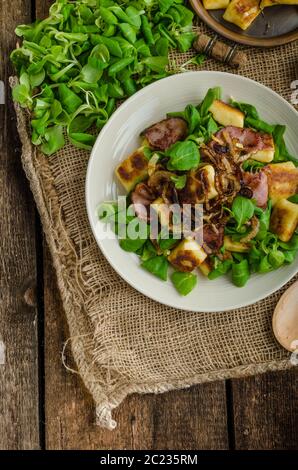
[74,65]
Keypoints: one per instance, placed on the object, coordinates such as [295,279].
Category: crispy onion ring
[255,225]
[158,180]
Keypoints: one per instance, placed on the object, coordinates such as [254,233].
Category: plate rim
[237,37]
[89,209]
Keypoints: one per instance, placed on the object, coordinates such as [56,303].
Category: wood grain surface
[42,405]
[19,384]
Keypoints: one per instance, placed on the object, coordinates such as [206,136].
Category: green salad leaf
[54,140]
[107,211]
[248,109]
[264,221]
[183,156]
[212,94]
[294,199]
[221,268]
[148,251]
[240,273]
[252,165]
[166,240]
[292,244]
[184,282]
[242,209]
[276,258]
[131,245]
[157,265]
[196,60]
[259,125]
[281,152]
[290,256]
[192,117]
[179,181]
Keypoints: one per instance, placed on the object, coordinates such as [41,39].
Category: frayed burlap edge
[64,256]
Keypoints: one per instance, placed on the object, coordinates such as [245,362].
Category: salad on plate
[212,188]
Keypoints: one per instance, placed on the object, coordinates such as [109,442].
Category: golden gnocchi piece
[132,170]
[226,115]
[234,246]
[187,255]
[282,180]
[162,211]
[200,185]
[284,219]
[270,3]
[264,156]
[242,12]
[145,142]
[208,175]
[267,3]
[215,4]
[206,267]
[166,216]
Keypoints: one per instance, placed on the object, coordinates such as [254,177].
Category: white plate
[120,137]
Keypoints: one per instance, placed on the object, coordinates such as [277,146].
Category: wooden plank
[266,411]
[42,8]
[19,422]
[187,419]
[191,419]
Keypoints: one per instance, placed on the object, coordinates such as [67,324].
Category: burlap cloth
[123,342]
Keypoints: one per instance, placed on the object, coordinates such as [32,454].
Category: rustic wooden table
[44,406]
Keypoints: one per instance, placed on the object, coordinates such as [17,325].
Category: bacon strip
[142,197]
[251,140]
[165,133]
[213,236]
[258,183]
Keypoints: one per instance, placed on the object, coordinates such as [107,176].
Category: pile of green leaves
[266,252]
[74,65]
